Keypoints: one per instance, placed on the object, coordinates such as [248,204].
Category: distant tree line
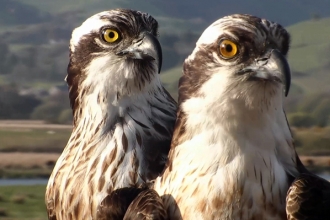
[15,106]
[53,109]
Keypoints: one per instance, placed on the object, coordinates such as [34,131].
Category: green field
[313,141]
[33,140]
[309,141]
[27,202]
[30,150]
[22,202]
[38,149]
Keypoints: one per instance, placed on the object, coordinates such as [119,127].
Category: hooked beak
[273,67]
[147,47]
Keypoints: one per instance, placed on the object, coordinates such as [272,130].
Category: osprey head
[246,54]
[115,51]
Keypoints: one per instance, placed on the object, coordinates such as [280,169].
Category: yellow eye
[228,49]
[110,35]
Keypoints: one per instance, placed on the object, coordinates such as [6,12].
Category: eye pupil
[111,34]
[229,48]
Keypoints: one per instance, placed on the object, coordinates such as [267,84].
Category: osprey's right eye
[110,35]
[228,49]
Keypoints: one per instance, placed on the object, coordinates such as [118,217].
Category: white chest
[217,175]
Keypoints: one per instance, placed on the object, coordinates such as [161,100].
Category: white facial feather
[92,24]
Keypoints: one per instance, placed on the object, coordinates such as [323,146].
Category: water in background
[25,182]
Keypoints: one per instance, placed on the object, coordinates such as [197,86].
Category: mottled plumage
[123,116]
[115,205]
[148,205]
[232,155]
[308,198]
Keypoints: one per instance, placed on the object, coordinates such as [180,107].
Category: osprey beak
[147,47]
[274,67]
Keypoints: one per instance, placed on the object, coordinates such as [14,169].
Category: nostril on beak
[138,41]
[262,61]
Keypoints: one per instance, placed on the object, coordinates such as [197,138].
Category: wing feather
[308,198]
[115,205]
[148,205]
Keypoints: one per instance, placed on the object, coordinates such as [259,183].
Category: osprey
[123,117]
[232,155]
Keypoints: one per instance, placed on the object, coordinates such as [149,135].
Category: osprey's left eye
[228,49]
[110,35]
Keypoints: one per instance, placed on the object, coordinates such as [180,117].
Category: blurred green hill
[34,36]
[282,11]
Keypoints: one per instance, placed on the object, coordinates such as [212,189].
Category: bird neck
[106,83]
[105,105]
[234,115]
